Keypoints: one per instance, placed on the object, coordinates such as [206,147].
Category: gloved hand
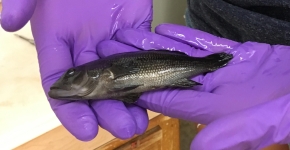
[66,34]
[250,129]
[253,90]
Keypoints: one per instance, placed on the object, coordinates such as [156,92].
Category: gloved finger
[132,119]
[110,47]
[195,38]
[115,117]
[16,13]
[141,117]
[253,128]
[77,117]
[119,120]
[148,40]
[188,104]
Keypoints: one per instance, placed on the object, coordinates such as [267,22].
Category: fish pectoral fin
[124,88]
[122,69]
[130,98]
[185,83]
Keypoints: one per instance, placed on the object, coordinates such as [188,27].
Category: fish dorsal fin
[169,51]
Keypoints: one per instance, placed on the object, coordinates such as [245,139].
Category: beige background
[168,11]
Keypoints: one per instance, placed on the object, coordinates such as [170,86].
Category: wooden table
[162,134]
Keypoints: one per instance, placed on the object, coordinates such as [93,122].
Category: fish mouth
[57,93]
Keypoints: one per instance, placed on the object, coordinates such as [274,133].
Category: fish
[126,76]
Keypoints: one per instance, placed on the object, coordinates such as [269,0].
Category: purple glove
[66,34]
[250,129]
[249,90]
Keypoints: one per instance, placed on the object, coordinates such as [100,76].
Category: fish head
[74,84]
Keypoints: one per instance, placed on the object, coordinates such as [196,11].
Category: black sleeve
[266,21]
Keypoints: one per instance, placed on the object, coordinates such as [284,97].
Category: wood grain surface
[162,134]
[161,131]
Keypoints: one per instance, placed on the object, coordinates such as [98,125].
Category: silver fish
[125,76]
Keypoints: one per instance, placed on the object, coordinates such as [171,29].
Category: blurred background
[168,11]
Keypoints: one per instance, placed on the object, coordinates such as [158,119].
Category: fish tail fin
[218,60]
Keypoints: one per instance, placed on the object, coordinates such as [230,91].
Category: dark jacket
[265,21]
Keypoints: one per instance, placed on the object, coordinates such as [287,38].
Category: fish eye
[70,72]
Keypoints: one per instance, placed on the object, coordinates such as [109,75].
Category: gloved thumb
[16,13]
[196,38]
[110,47]
[174,37]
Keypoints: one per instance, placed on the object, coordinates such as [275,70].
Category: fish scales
[126,76]
[156,72]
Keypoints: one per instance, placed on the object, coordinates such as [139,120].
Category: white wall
[168,11]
